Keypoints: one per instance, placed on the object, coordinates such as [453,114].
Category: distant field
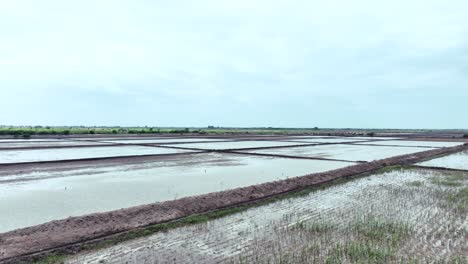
[72,189]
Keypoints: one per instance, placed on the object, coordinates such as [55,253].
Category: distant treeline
[28,131]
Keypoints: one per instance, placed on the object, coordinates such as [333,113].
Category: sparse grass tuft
[52,259]
[450,179]
[459,199]
[416,184]
[391,169]
[359,251]
[458,260]
[314,228]
[375,230]
[446,183]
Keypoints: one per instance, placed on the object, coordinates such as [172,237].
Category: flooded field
[454,161]
[57,143]
[402,215]
[162,140]
[35,155]
[414,143]
[34,193]
[342,152]
[327,140]
[238,144]
[372,138]
[15,140]
[38,197]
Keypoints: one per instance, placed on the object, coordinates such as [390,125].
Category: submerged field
[37,197]
[402,215]
[417,211]
[455,161]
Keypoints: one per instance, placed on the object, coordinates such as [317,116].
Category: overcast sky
[292,63]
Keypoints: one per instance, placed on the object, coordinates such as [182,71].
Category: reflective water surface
[35,198]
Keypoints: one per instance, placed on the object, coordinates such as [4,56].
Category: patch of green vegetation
[389,233]
[459,199]
[395,168]
[415,184]
[334,258]
[458,260]
[446,183]
[360,252]
[52,259]
[450,179]
[377,243]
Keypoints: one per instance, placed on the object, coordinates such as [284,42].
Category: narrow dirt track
[68,234]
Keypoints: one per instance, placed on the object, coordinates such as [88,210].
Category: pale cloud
[236,63]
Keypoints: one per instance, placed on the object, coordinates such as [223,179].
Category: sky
[237,63]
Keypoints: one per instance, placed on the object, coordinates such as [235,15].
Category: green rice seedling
[459,199]
[416,184]
[453,179]
[386,232]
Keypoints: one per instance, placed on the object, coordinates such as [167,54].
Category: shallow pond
[164,140]
[29,144]
[343,152]
[34,155]
[436,144]
[328,140]
[35,198]
[454,161]
[238,144]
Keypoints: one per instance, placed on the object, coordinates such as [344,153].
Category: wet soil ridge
[19,244]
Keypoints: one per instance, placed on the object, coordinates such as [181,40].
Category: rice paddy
[402,215]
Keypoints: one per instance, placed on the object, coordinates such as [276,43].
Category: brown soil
[22,243]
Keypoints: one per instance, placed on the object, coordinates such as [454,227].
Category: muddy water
[35,198]
[33,155]
[343,152]
[415,143]
[238,144]
[387,196]
[454,161]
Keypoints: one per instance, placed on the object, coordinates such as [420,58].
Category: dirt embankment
[69,232]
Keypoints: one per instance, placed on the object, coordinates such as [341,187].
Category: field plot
[90,182]
[328,140]
[373,138]
[38,197]
[454,161]
[238,145]
[41,144]
[399,216]
[35,155]
[163,140]
[342,152]
[435,144]
[14,140]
